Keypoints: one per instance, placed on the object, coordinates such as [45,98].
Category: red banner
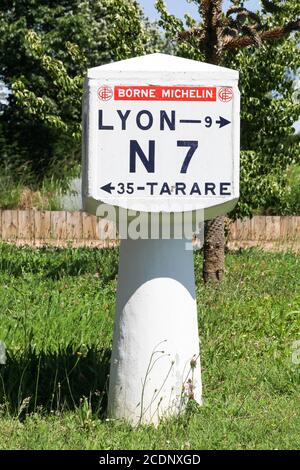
[165,93]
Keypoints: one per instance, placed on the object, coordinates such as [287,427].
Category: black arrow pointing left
[108,188]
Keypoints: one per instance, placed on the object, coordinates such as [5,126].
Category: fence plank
[74,226]
[58,225]
[287,228]
[42,224]
[9,225]
[243,229]
[231,227]
[272,228]
[297,226]
[258,228]
[106,231]
[89,226]
[25,225]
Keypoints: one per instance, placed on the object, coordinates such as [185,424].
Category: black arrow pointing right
[223,122]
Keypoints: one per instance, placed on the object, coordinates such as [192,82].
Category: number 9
[208,121]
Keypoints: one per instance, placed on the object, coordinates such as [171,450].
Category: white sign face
[163,147]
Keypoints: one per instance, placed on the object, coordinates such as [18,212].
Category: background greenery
[270,151]
[46,47]
[45,50]
[56,318]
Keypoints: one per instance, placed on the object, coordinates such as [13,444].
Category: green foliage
[52,44]
[14,193]
[269,108]
[172,27]
[56,319]
[292,194]
[269,104]
[10,192]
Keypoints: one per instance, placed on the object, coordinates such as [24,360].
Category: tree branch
[272,35]
[192,33]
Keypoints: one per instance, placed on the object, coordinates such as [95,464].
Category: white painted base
[156,332]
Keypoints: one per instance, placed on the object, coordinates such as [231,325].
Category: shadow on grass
[59,381]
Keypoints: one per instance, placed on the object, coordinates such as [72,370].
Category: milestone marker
[160,137]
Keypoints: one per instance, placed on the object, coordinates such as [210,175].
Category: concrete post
[155,364]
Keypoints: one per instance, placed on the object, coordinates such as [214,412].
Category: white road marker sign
[170,143]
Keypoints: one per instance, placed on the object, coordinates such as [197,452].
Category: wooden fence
[267,232]
[61,228]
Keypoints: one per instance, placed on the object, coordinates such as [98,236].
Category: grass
[18,195]
[56,319]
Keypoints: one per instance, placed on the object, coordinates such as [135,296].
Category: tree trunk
[214,239]
[214,254]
